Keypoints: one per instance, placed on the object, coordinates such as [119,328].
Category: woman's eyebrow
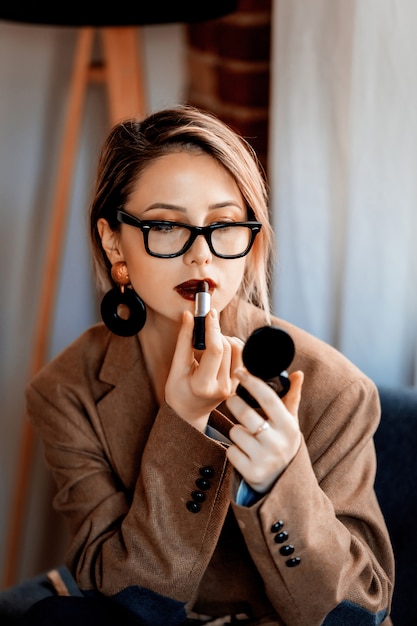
[163,205]
[227,203]
[175,207]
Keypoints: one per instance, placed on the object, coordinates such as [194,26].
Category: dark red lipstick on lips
[202,307]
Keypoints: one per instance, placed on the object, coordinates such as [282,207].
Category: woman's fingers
[293,397]
[236,362]
[262,448]
[209,371]
[217,355]
[183,356]
[247,417]
[265,395]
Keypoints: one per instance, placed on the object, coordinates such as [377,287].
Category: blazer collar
[122,354]
[128,409]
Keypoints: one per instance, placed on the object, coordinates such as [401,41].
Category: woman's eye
[224,226]
[165,227]
[222,223]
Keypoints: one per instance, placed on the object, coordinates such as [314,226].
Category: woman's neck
[158,345]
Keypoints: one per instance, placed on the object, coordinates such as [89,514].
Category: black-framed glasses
[166,240]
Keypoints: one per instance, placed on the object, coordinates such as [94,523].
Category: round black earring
[122,310]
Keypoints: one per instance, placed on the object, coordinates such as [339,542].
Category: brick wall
[228,63]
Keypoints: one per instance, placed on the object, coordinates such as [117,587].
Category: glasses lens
[167,238]
[230,240]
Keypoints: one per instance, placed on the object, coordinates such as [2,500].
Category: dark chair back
[396,488]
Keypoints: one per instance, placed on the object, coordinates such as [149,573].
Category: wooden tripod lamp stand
[120,70]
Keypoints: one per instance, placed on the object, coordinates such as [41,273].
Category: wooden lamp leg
[124,75]
[121,72]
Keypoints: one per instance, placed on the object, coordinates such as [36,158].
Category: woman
[185,503]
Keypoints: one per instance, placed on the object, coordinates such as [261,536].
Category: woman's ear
[110,241]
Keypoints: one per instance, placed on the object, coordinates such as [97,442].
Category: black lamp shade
[123,14]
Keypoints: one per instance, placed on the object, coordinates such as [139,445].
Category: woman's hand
[262,449]
[196,386]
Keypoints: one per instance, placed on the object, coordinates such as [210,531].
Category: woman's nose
[199,252]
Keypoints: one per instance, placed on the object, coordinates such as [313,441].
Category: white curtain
[343,175]
[35,71]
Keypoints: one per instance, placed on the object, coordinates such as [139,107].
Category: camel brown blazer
[127,470]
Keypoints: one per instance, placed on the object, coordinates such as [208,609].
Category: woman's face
[192,189]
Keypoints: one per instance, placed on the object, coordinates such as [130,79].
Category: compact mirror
[267,354]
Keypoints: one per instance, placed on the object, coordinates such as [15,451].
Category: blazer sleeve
[141,546]
[318,538]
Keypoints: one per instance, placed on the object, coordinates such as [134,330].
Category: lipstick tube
[202,307]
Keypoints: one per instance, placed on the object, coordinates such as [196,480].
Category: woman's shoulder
[331,381]
[327,372]
[87,346]
[315,355]
[85,357]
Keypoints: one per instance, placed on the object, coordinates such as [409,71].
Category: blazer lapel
[128,410]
